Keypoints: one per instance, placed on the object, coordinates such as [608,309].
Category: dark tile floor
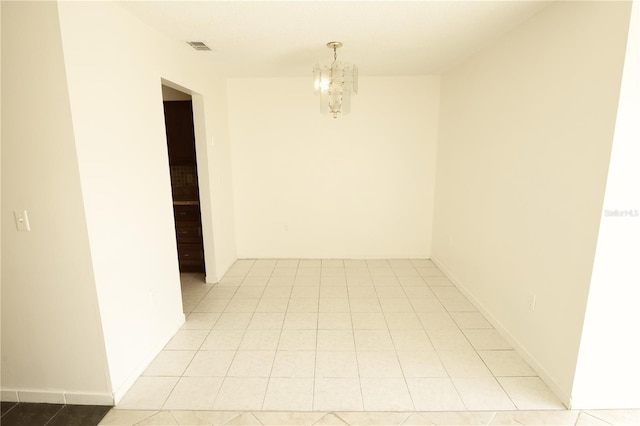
[27,414]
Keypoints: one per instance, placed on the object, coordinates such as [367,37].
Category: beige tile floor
[337,341]
[558,418]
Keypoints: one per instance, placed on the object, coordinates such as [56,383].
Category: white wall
[216,180]
[524,141]
[52,343]
[92,292]
[124,172]
[359,186]
[0,192]
[608,372]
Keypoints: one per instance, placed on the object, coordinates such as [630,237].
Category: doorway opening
[181,147]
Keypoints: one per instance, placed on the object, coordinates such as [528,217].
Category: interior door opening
[181,146]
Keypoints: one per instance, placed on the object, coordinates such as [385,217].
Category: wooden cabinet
[184,184]
[189,236]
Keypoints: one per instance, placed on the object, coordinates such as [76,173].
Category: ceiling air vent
[198,45]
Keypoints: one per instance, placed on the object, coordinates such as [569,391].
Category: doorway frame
[204,180]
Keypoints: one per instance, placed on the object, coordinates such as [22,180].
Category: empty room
[321,212]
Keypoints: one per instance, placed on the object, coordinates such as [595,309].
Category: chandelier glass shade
[335,83]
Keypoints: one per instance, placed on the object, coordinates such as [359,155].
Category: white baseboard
[9,395]
[56,397]
[48,397]
[342,256]
[89,399]
[80,398]
[504,332]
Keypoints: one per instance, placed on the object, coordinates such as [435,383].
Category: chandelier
[334,83]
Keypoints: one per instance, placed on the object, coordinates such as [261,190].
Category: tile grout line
[224,380]
[404,377]
[464,404]
[315,354]
[198,350]
[315,362]
[342,275]
[593,415]
[270,376]
[5,412]
[152,413]
[475,351]
[395,350]
[55,414]
[448,312]
[216,322]
[493,416]
[266,389]
[353,334]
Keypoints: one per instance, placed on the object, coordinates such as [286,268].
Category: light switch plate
[22,220]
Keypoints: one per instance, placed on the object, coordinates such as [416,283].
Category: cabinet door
[186,213]
[178,117]
[189,233]
[189,237]
[191,258]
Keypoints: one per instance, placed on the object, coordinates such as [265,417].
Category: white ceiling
[286,38]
